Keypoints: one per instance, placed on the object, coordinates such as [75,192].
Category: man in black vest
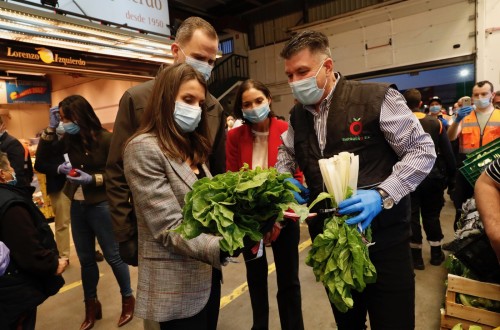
[395,154]
[428,199]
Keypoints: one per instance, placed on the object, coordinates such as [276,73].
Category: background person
[256,143]
[48,162]
[473,127]
[395,156]
[19,158]
[436,110]
[427,200]
[87,144]
[34,271]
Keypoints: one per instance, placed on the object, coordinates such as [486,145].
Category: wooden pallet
[458,313]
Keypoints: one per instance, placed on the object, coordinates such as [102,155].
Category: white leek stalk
[340,175]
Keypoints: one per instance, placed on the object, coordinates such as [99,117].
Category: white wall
[488,42]
[405,33]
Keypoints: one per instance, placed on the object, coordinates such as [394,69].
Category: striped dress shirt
[402,131]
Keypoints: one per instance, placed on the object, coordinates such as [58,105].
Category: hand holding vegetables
[237,205]
[367,202]
[64,168]
[302,196]
[339,256]
[83,178]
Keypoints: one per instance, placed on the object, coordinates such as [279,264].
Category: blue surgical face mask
[12,182]
[435,108]
[306,91]
[256,115]
[71,128]
[60,129]
[482,103]
[202,67]
[187,116]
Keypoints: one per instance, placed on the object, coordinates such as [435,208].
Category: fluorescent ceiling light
[29,25]
[26,73]
[7,78]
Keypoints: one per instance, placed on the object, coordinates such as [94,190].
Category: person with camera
[474,127]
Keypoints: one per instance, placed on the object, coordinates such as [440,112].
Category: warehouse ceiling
[237,15]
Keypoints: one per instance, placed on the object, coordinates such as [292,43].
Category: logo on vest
[356,128]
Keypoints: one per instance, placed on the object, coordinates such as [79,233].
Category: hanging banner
[146,15]
[26,91]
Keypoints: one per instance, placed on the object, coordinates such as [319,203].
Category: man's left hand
[367,202]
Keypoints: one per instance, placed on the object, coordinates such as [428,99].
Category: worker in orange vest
[474,126]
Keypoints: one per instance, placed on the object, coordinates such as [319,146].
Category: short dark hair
[191,24]
[413,98]
[484,82]
[316,42]
[246,85]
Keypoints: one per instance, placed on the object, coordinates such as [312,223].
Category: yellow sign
[45,55]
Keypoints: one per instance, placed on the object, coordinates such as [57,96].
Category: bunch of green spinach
[340,260]
[238,204]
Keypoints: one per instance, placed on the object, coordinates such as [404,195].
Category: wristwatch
[387,201]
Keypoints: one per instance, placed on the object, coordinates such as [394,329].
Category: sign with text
[27,91]
[147,15]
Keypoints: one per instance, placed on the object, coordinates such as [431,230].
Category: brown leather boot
[128,304]
[93,311]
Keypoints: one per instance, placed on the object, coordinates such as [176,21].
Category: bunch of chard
[339,256]
[238,204]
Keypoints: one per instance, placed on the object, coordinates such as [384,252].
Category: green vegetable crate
[477,161]
[454,312]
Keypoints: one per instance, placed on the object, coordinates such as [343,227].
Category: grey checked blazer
[174,274]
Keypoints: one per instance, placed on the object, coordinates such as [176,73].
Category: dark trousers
[427,201]
[208,317]
[390,302]
[286,258]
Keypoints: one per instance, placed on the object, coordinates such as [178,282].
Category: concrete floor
[66,309]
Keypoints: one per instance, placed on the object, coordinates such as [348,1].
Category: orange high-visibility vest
[471,137]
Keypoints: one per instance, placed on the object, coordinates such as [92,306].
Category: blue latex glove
[4,258]
[367,202]
[64,168]
[463,112]
[54,117]
[301,197]
[83,179]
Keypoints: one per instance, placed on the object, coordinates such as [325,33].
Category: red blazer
[239,146]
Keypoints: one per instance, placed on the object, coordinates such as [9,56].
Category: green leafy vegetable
[339,256]
[236,204]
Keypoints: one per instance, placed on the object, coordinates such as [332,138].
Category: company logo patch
[356,128]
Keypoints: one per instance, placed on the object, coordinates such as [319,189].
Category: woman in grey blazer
[179,280]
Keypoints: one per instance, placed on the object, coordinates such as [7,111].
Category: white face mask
[306,91]
[202,67]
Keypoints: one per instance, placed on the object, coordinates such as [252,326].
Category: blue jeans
[87,223]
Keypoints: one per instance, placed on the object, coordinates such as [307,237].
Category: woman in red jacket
[256,143]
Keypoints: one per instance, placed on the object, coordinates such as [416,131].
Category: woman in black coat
[34,271]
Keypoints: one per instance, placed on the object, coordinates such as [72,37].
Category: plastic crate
[478,160]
